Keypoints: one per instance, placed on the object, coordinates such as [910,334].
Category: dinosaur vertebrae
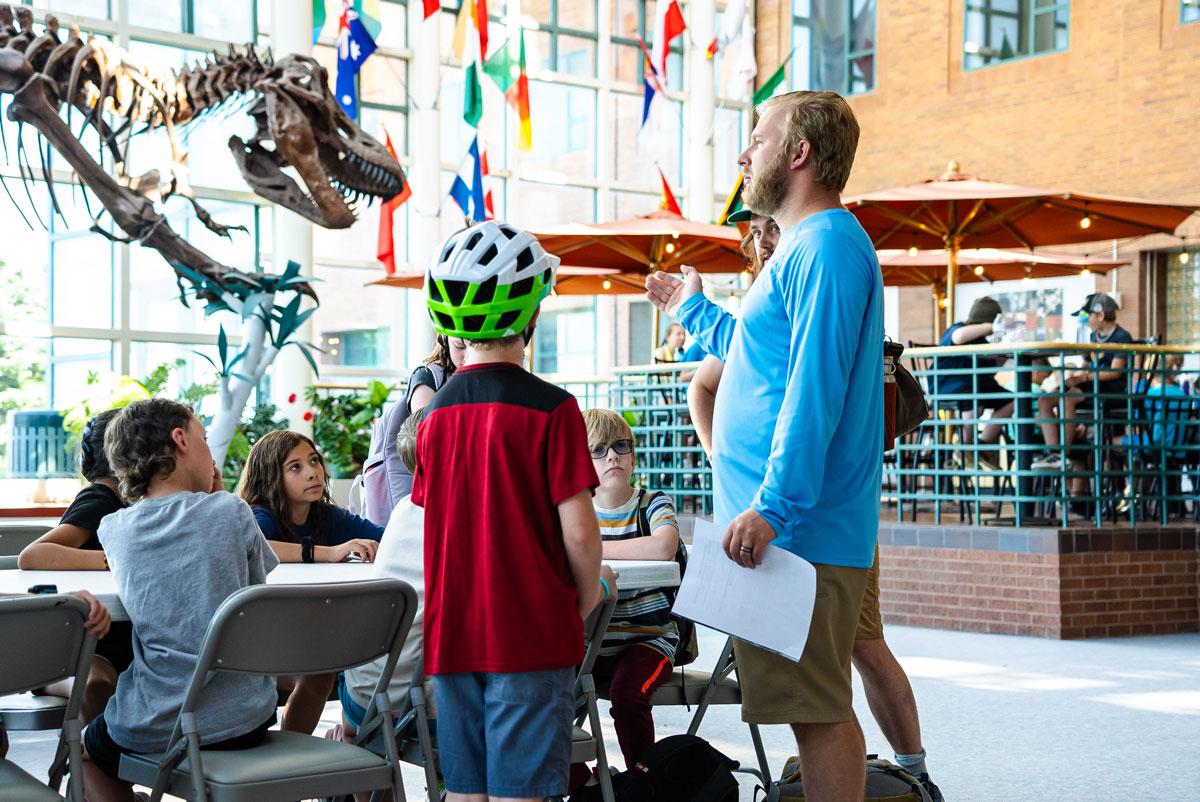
[96,75]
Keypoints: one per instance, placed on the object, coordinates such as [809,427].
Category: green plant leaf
[292,270]
[304,350]
[222,348]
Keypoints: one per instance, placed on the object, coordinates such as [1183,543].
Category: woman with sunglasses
[640,644]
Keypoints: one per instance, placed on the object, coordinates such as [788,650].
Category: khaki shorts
[817,690]
[870,622]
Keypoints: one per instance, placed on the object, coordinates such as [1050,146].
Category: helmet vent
[435,291]
[456,291]
[547,275]
[525,259]
[509,231]
[488,255]
[486,291]
[507,319]
[446,321]
[446,253]
[474,322]
[474,240]
[521,288]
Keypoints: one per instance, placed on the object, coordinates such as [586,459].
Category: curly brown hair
[262,486]
[139,445]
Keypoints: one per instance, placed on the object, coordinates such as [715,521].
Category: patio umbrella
[956,211]
[906,269]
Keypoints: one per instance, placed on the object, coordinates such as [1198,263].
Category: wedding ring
[745,549]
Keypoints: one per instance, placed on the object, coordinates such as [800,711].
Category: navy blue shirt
[949,382]
[1102,360]
[340,525]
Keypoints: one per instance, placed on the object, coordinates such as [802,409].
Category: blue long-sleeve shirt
[798,420]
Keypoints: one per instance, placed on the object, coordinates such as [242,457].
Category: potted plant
[342,425]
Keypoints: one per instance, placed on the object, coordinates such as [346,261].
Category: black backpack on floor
[886,782]
[679,768]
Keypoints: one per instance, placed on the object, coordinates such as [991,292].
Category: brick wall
[1116,113]
[1046,583]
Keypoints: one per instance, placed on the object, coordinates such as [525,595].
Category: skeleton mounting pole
[291,32]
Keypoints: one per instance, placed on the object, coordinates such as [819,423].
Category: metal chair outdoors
[14,537]
[254,632]
[54,645]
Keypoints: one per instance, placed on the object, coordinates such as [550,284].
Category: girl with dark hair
[287,486]
[73,545]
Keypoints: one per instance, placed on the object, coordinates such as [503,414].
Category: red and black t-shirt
[498,450]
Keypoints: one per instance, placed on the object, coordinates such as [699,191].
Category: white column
[291,240]
[425,145]
[698,163]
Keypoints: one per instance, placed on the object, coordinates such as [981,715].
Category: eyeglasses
[600,450]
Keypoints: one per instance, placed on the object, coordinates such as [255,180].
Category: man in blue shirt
[798,420]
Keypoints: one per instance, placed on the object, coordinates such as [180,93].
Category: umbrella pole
[951,282]
[654,335]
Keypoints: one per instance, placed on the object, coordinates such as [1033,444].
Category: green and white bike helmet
[486,281]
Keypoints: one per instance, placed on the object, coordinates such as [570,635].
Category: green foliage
[342,425]
[22,360]
[263,418]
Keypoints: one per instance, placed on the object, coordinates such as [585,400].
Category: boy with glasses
[639,646]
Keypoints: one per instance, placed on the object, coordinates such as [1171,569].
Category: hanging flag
[732,204]
[668,23]
[354,46]
[508,70]
[385,249]
[730,27]
[488,207]
[470,45]
[745,68]
[653,98]
[768,89]
[318,12]
[431,6]
[668,197]
[467,189]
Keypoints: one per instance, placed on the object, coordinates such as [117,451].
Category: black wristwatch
[306,549]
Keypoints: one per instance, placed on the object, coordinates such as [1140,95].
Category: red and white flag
[731,26]
[487,185]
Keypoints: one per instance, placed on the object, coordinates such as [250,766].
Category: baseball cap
[984,310]
[1098,302]
[742,215]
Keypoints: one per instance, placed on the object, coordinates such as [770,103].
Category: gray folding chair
[588,744]
[45,641]
[14,537]
[289,630]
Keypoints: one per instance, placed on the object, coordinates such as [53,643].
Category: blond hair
[826,121]
[1173,361]
[406,440]
[605,426]
[496,343]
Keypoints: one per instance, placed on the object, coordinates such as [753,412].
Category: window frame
[848,55]
[1031,33]
[1183,9]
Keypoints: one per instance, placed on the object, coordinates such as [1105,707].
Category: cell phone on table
[38,589]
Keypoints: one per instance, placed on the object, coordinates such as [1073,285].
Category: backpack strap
[643,513]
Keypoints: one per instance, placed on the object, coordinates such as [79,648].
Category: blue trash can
[38,446]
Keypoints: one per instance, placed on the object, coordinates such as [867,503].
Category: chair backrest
[594,627]
[15,537]
[44,641]
[307,629]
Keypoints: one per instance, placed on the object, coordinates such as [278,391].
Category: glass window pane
[393,25]
[626,18]
[383,80]
[540,10]
[374,120]
[457,135]
[540,205]
[1189,10]
[98,9]
[190,377]
[801,65]
[163,16]
[636,164]
[564,129]
[70,362]
[576,56]
[728,143]
[579,15]
[231,20]
[357,324]
[628,63]
[82,280]
[22,381]
[565,341]
[631,204]
[999,30]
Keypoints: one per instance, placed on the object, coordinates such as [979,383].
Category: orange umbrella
[955,211]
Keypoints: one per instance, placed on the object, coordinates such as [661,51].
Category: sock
[913,764]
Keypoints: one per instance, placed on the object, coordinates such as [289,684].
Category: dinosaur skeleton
[300,131]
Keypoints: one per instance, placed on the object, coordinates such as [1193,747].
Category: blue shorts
[506,734]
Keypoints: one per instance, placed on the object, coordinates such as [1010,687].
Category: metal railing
[1121,442]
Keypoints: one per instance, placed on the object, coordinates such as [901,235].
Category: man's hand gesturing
[667,292]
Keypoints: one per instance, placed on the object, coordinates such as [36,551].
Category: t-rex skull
[338,163]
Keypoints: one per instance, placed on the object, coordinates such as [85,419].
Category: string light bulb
[1183,258]
[979,270]
[607,284]
[670,247]
[1086,222]
[1085,272]
[943,302]
[912,249]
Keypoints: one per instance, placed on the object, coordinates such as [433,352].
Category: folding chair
[289,629]
[588,744]
[14,538]
[54,645]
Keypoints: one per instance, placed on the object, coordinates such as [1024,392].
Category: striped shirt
[641,616]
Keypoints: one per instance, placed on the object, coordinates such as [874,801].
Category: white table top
[634,575]
[15,523]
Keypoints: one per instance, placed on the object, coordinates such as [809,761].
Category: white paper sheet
[770,606]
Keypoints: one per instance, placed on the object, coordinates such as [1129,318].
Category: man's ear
[802,155]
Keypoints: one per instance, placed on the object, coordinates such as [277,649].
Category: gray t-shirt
[175,559]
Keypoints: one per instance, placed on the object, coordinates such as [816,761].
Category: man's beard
[768,189]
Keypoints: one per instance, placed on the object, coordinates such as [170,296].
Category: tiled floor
[1002,718]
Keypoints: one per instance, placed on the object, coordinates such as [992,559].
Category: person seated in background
[975,331]
[73,546]
[1102,370]
[286,483]
[671,347]
[640,644]
[1161,419]
[176,553]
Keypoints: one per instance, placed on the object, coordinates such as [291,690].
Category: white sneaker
[1051,462]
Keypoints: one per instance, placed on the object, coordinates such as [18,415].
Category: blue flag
[354,45]
[467,189]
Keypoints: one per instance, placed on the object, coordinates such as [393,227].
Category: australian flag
[354,45]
